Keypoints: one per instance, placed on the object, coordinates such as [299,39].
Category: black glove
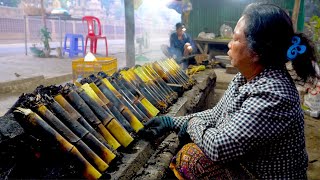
[157,127]
[183,136]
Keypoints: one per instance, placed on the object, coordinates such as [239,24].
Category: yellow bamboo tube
[108,136]
[88,171]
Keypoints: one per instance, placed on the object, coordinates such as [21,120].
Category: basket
[201,57]
[82,69]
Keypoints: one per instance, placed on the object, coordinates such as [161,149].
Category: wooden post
[295,13]
[130,30]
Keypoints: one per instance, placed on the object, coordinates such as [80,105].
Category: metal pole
[25,35]
[130,31]
[60,29]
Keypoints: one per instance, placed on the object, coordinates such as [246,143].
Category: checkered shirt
[258,123]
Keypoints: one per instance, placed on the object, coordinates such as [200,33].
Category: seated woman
[257,128]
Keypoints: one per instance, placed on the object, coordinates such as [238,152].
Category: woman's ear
[255,57]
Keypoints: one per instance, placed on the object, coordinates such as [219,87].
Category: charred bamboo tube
[94,106]
[84,109]
[165,76]
[104,135]
[116,129]
[155,101]
[123,100]
[110,139]
[146,88]
[88,171]
[135,101]
[133,121]
[173,65]
[92,157]
[124,96]
[144,101]
[176,66]
[101,150]
[150,86]
[96,89]
[107,104]
[162,83]
[151,83]
[166,67]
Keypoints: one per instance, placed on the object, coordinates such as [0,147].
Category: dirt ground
[312,134]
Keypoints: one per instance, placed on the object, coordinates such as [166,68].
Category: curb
[29,84]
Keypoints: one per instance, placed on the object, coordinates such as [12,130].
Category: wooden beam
[295,14]
[130,31]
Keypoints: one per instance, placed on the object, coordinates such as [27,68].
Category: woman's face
[240,55]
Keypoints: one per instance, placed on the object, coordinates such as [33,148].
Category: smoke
[155,22]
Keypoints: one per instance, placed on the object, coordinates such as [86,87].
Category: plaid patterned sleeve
[248,128]
[208,116]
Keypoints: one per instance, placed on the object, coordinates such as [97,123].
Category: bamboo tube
[115,128]
[147,88]
[162,83]
[106,134]
[109,105]
[155,101]
[138,71]
[98,109]
[103,134]
[144,101]
[105,103]
[168,69]
[124,98]
[88,171]
[133,121]
[167,77]
[135,101]
[71,137]
[80,131]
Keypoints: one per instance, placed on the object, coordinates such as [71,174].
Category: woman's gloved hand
[183,136]
[157,126]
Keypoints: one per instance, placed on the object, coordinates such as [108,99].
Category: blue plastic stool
[73,49]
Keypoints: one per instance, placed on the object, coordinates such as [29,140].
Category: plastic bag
[226,31]
[312,98]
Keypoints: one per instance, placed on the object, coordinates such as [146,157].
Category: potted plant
[45,37]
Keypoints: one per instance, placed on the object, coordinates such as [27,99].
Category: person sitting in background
[256,130]
[181,44]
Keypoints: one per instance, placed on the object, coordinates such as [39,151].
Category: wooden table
[202,44]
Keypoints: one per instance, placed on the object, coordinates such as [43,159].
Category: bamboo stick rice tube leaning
[116,129]
[144,101]
[104,135]
[80,131]
[130,117]
[92,157]
[96,94]
[88,171]
[123,96]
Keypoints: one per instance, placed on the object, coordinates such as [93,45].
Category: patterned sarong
[191,163]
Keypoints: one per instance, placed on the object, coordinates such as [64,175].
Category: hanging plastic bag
[226,31]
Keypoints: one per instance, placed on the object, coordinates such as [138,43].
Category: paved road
[15,65]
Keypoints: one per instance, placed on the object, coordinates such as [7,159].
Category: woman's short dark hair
[269,33]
